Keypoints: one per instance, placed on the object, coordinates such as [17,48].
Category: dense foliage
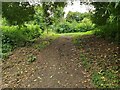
[38,17]
[52,10]
[13,36]
[77,16]
[34,20]
[107,17]
[81,24]
[17,13]
[23,23]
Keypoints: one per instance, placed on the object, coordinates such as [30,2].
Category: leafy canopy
[77,16]
[52,10]
[17,13]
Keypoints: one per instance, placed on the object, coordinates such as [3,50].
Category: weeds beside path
[101,59]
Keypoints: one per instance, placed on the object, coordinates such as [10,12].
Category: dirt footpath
[57,66]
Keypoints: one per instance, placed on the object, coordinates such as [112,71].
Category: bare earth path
[57,66]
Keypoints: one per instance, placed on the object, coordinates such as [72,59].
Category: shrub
[13,36]
[63,27]
[6,49]
[31,31]
[109,32]
[76,16]
[86,25]
[83,26]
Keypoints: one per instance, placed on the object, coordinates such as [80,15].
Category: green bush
[76,16]
[86,25]
[13,36]
[6,49]
[31,31]
[63,27]
[109,32]
[83,26]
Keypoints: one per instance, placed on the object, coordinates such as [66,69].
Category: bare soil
[57,66]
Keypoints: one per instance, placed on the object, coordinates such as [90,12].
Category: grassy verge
[100,77]
[50,35]
[103,74]
[76,34]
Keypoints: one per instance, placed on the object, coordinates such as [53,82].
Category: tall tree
[77,16]
[52,10]
[17,13]
[107,13]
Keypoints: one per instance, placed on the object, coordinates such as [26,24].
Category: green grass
[76,34]
[50,35]
[105,79]
[97,78]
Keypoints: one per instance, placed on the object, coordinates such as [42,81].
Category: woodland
[43,49]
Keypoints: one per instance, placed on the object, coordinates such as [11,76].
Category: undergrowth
[103,75]
[13,36]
